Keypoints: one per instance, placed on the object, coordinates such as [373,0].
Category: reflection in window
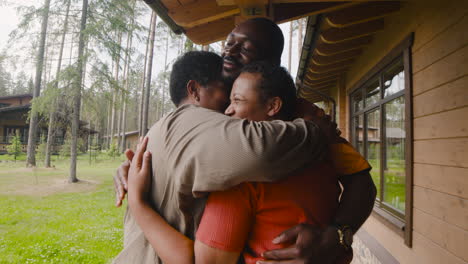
[372,93]
[382,135]
[359,133]
[394,79]
[358,102]
[373,146]
[394,170]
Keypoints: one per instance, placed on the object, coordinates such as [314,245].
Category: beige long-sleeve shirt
[196,151]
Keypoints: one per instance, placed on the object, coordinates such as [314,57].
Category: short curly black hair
[274,35]
[200,66]
[276,81]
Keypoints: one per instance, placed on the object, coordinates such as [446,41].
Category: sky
[9,20]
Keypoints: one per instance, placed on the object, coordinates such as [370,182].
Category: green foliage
[66,147]
[113,150]
[41,148]
[14,148]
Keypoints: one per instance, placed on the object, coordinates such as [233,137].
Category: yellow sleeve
[347,160]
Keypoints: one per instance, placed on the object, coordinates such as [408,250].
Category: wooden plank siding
[440,128]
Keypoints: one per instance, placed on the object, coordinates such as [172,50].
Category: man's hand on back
[121,177]
[310,112]
[312,245]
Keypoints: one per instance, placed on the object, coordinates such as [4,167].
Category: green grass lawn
[45,219]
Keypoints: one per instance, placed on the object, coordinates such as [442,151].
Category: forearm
[356,201]
[170,245]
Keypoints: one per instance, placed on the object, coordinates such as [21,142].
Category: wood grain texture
[449,208]
[451,180]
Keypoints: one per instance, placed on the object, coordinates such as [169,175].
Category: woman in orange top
[245,219]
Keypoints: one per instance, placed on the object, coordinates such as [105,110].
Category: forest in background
[95,60]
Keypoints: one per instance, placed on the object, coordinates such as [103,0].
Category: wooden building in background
[14,111]
[395,76]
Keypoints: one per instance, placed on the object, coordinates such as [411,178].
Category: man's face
[246,101]
[245,44]
[214,96]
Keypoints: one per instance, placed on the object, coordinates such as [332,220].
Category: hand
[120,178]
[312,245]
[310,112]
[139,174]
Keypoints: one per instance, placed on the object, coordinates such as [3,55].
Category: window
[381,130]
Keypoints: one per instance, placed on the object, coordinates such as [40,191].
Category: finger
[118,192]
[282,254]
[289,235]
[146,168]
[129,154]
[138,158]
[122,173]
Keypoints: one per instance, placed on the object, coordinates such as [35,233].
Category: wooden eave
[207,21]
[339,39]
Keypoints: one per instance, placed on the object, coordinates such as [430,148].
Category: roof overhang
[208,21]
[334,41]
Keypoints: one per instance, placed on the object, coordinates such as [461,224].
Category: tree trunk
[163,108]
[290,46]
[31,153]
[149,69]
[143,82]
[53,114]
[115,94]
[299,37]
[124,94]
[77,94]
[108,133]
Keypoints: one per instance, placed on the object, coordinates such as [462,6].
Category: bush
[113,151]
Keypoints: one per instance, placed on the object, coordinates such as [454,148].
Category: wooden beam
[314,82]
[201,12]
[343,56]
[320,76]
[320,82]
[335,35]
[362,13]
[211,32]
[307,90]
[314,68]
[233,2]
[169,4]
[327,49]
[284,12]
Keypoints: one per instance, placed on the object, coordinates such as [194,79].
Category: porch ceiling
[334,41]
[207,21]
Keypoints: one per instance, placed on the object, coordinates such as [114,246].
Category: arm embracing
[219,152]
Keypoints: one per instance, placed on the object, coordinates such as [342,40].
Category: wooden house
[395,76]
[14,121]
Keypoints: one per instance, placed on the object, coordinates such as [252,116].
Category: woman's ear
[193,91]
[274,106]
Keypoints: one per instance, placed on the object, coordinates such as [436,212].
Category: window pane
[359,134]
[394,79]
[372,92]
[373,146]
[394,170]
[358,102]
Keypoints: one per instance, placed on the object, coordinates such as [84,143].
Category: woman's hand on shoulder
[139,174]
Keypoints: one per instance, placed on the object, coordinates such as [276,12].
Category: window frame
[402,51]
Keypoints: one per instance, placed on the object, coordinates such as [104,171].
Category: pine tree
[14,148]
[77,93]
[31,153]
